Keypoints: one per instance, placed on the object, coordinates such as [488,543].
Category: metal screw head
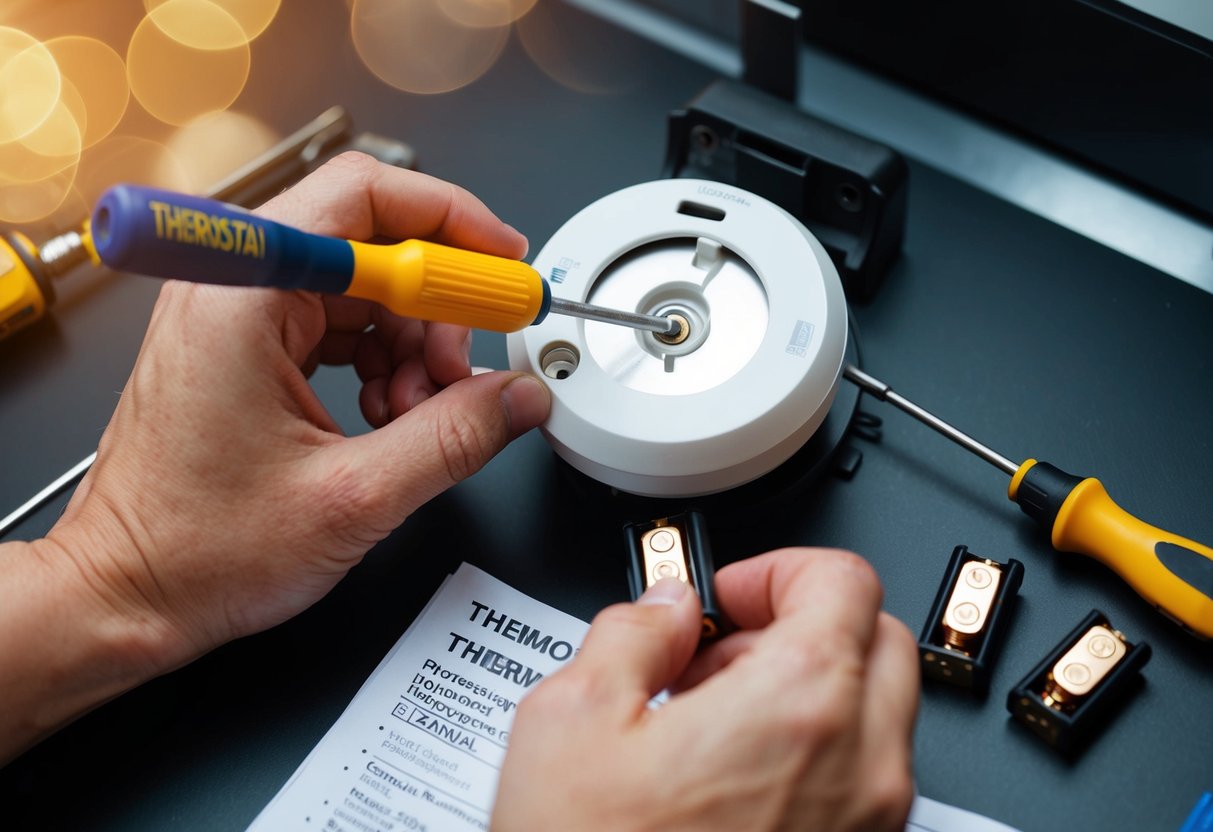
[684,330]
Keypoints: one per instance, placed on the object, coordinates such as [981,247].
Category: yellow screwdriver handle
[433,282]
[1168,570]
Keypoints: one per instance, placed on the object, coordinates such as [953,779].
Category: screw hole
[704,138]
[849,198]
[559,360]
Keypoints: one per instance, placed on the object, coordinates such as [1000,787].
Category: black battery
[967,625]
[675,547]
[1079,685]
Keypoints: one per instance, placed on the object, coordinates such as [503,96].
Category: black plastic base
[1071,732]
[742,505]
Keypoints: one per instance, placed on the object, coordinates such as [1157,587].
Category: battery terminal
[1083,667]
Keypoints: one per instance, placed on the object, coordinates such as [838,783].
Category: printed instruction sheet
[420,746]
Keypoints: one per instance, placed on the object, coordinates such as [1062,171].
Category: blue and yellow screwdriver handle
[165,234]
[1170,571]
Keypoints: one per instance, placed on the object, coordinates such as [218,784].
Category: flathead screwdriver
[1173,573]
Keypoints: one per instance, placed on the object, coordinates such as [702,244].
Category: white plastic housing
[746,422]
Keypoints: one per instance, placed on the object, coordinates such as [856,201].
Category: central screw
[684,330]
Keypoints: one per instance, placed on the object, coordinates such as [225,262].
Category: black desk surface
[1034,339]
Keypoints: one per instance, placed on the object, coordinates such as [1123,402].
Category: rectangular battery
[1078,685]
[675,547]
[965,629]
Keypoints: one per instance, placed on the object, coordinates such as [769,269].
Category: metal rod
[297,152]
[885,393]
[33,503]
[653,323]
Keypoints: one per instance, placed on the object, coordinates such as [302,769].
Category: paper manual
[421,744]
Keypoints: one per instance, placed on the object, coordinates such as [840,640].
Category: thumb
[448,437]
[632,651]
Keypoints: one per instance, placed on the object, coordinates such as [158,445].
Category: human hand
[801,719]
[224,498]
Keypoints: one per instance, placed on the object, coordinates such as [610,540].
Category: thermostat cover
[746,389]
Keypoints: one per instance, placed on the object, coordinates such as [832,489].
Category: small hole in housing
[704,138]
[558,360]
[849,197]
[698,209]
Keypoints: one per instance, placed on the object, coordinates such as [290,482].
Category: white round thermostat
[744,384]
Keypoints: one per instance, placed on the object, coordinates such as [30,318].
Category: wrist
[106,586]
[71,636]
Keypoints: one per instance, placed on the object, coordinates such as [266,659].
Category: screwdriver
[28,271]
[164,234]
[1171,572]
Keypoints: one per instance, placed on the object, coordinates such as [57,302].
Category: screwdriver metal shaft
[652,323]
[1170,571]
[885,393]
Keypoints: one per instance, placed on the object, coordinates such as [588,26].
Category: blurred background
[1061,180]
[177,93]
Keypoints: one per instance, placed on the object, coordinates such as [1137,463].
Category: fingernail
[667,591]
[418,397]
[467,349]
[526,403]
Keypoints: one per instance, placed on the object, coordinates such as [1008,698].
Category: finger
[373,358]
[833,594]
[890,705]
[632,651]
[448,350]
[716,657]
[338,348]
[408,387]
[355,196]
[372,400]
[444,440]
[891,693]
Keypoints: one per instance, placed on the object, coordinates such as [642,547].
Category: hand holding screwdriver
[165,234]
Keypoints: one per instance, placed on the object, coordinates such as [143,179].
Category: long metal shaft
[885,393]
[653,323]
[65,479]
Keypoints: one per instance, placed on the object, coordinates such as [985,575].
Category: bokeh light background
[174,92]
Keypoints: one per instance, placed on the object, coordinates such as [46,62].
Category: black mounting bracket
[848,190]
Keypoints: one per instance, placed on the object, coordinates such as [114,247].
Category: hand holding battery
[800,719]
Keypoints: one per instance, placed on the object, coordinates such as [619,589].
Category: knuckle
[820,723]
[890,793]
[566,693]
[899,634]
[351,500]
[619,616]
[352,161]
[462,444]
[863,572]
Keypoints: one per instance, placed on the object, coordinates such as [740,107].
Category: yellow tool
[28,270]
[1171,572]
[165,234]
